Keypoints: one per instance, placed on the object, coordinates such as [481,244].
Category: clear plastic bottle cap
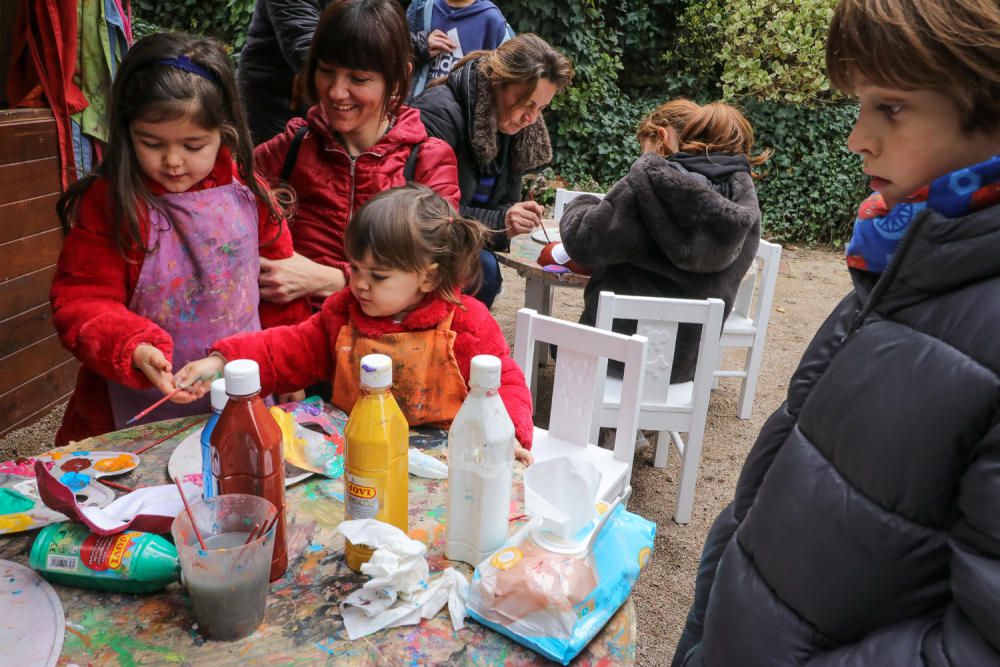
[219,396]
[242,377]
[485,371]
[376,371]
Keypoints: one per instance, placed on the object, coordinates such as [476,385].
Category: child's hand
[197,377]
[154,366]
[523,455]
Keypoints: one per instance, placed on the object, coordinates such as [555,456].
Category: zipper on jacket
[354,163]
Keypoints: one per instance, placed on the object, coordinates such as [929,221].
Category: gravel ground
[811,282]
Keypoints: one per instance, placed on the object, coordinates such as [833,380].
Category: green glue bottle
[129,562]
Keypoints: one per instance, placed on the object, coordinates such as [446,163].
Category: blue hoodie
[481,25]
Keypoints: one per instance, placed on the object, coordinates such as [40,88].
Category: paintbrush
[164,400]
[545,232]
[187,508]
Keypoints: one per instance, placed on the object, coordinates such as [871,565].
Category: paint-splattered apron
[199,283]
[426,381]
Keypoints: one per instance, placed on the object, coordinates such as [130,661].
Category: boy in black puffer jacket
[865,529]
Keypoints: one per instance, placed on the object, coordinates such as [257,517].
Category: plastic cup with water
[228,580]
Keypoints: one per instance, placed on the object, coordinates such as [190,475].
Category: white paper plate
[538,236]
[185,462]
[32,622]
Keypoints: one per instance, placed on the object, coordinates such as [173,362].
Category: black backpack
[293,153]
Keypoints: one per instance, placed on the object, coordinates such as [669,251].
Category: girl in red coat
[164,241]
[355,142]
[410,256]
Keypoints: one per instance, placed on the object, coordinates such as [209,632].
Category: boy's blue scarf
[877,230]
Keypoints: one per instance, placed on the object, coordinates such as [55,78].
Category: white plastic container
[480,468]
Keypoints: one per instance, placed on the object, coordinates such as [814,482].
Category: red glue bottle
[247,454]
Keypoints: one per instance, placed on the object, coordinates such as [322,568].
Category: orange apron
[426,381]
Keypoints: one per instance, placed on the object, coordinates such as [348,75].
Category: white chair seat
[680,396]
[546,446]
[737,324]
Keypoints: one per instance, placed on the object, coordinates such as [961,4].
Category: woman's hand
[154,366]
[284,280]
[439,42]
[197,377]
[522,217]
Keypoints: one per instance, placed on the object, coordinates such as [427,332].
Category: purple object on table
[555,268]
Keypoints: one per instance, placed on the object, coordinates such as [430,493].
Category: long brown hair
[149,90]
[367,35]
[522,59]
[952,47]
[411,227]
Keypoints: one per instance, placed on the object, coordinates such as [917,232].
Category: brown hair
[952,47]
[522,59]
[367,35]
[674,114]
[149,90]
[716,127]
[411,227]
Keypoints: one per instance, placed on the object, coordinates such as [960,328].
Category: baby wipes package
[553,590]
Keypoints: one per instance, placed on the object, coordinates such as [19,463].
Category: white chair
[746,325]
[564,196]
[575,392]
[667,408]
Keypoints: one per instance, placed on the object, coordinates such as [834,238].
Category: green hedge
[813,184]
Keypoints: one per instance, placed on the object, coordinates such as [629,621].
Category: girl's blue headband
[182,62]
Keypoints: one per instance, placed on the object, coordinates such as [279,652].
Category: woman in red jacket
[354,143]
[410,255]
[161,258]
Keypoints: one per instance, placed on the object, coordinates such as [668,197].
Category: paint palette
[538,236]
[21,508]
[33,625]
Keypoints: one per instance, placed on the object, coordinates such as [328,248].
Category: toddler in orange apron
[410,257]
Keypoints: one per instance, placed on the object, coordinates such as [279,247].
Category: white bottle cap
[376,371]
[219,396]
[485,371]
[242,377]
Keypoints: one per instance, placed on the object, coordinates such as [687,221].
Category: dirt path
[811,283]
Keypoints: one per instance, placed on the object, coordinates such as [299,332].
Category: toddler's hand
[523,455]
[197,377]
[154,366]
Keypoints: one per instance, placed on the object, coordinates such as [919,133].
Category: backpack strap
[293,153]
[411,163]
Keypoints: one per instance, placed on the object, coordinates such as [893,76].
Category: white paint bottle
[480,467]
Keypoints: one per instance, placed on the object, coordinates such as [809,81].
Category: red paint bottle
[247,454]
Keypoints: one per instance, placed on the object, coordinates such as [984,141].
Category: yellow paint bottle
[376,466]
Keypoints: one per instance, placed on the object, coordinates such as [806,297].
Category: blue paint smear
[75,480]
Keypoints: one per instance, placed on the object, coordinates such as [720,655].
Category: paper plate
[538,236]
[185,463]
[32,622]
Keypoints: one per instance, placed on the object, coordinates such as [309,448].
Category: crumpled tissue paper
[399,592]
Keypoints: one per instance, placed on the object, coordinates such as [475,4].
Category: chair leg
[749,388]
[690,462]
[663,445]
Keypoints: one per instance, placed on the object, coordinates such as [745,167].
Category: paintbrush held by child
[165,239]
[410,257]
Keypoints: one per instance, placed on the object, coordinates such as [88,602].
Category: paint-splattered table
[302,624]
